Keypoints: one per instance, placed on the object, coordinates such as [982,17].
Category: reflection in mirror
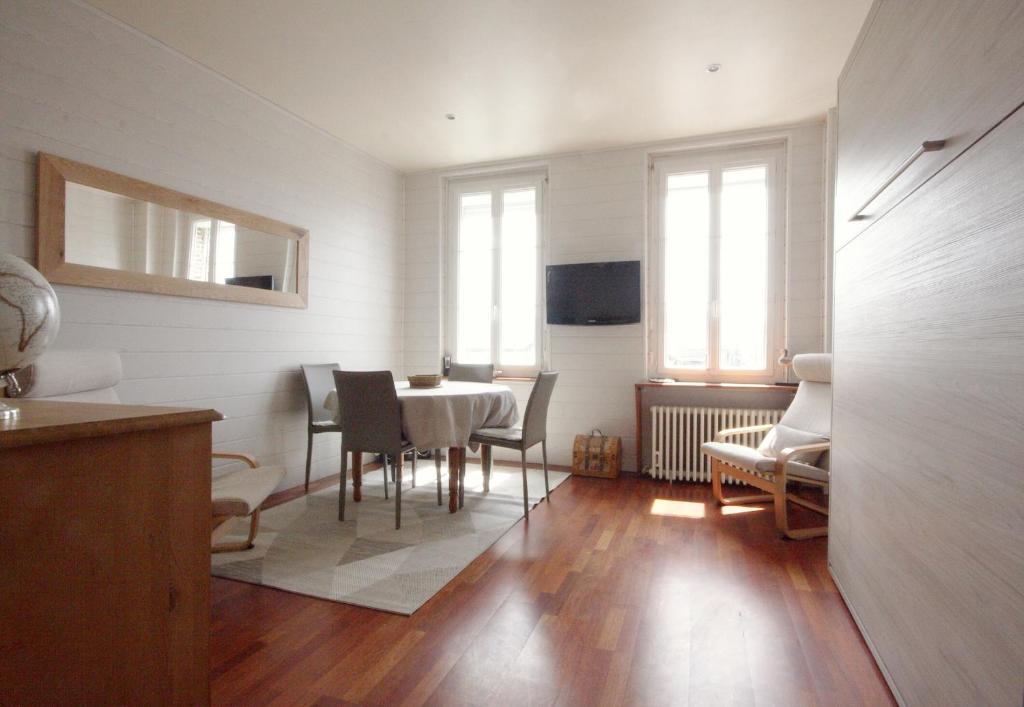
[108,230]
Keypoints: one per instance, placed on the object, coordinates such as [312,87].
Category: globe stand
[7,413]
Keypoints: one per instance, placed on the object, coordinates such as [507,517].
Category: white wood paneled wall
[598,211]
[79,84]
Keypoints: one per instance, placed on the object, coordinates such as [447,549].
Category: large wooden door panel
[922,70]
[927,525]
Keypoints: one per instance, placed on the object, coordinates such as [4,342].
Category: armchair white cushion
[82,376]
[239,493]
[783,436]
[91,376]
[740,455]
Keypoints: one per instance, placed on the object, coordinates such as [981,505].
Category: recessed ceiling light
[449,116]
[712,68]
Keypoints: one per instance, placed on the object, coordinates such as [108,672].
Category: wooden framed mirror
[102,229]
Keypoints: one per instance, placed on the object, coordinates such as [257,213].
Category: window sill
[526,379]
[704,384]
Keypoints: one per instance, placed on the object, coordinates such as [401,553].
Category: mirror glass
[109,230]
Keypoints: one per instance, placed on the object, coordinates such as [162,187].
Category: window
[494,236]
[200,245]
[716,265]
[211,242]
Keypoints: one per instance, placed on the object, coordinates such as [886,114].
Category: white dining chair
[319,380]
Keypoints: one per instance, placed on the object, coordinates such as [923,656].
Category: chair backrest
[74,375]
[535,421]
[319,380]
[369,411]
[811,409]
[471,372]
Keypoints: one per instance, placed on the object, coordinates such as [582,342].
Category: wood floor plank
[595,600]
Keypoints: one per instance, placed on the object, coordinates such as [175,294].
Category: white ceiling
[524,77]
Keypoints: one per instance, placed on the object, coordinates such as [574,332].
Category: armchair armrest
[783,459]
[734,431]
[239,456]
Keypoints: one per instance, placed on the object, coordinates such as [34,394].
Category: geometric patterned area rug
[302,547]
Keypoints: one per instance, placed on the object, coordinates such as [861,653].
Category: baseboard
[867,640]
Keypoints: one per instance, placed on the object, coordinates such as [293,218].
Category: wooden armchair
[794,450]
[91,377]
[239,494]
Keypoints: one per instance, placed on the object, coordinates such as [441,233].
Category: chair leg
[254,526]
[437,467]
[309,455]
[397,468]
[782,498]
[526,489]
[716,480]
[384,471]
[462,479]
[485,462]
[544,454]
[344,482]
[781,508]
[414,468]
[717,470]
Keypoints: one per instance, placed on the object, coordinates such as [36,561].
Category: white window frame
[714,161]
[495,184]
[211,250]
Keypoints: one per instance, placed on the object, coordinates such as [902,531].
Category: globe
[29,313]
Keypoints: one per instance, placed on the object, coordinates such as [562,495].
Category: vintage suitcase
[597,455]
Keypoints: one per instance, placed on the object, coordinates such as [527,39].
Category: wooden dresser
[926,534]
[104,554]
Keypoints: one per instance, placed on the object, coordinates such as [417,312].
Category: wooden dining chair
[319,380]
[534,430]
[371,421]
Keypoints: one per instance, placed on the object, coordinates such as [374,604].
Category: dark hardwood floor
[606,597]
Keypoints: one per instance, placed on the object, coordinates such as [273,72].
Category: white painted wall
[102,224]
[81,85]
[78,84]
[258,253]
[598,205]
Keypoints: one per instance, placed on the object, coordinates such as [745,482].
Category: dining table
[441,417]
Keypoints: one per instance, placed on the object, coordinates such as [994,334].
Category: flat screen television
[592,294]
[262,282]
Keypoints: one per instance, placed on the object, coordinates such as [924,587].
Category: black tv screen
[594,293]
[261,282]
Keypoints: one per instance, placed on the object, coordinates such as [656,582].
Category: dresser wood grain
[104,535]
[927,524]
[923,70]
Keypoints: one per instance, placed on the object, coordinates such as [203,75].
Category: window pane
[475,246]
[225,264]
[686,266]
[199,250]
[743,292]
[518,303]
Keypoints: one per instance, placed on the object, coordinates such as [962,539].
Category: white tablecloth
[435,418]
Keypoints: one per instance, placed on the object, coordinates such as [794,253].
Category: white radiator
[678,432]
